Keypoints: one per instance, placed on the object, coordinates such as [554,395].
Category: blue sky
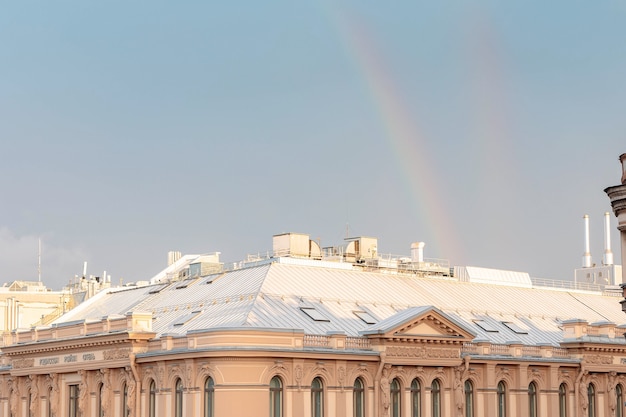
[485,129]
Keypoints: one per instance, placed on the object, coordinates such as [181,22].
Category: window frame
[209,397]
[74,396]
[358,398]
[152,398]
[501,394]
[563,399]
[468,387]
[276,397]
[416,398]
[532,399]
[395,396]
[178,397]
[317,397]
[435,397]
[591,400]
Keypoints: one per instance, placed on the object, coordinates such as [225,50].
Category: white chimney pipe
[608,254]
[417,251]
[587,254]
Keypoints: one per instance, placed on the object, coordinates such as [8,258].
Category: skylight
[186,318]
[313,313]
[365,316]
[515,327]
[486,326]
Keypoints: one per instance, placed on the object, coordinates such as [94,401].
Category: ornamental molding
[598,359]
[115,354]
[422,352]
[23,363]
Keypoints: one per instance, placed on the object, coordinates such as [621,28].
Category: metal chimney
[608,254]
[587,254]
[417,251]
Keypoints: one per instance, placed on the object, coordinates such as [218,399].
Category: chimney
[587,254]
[417,251]
[608,255]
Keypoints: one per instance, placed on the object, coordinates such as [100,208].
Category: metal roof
[272,295]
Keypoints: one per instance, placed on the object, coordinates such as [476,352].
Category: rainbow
[406,141]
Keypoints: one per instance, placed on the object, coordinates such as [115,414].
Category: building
[313,331]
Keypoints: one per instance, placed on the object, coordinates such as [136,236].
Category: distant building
[25,303]
[312,332]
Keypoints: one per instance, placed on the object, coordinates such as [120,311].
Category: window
[186,318]
[501,399]
[591,397]
[532,400]
[152,399]
[276,397]
[100,410]
[394,389]
[313,313]
[563,400]
[469,399]
[73,401]
[513,326]
[317,398]
[365,316]
[178,402]
[486,326]
[416,398]
[358,398]
[619,401]
[125,411]
[435,394]
[209,397]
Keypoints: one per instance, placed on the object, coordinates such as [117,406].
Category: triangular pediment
[420,323]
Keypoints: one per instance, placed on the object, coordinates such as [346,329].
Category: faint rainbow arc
[403,136]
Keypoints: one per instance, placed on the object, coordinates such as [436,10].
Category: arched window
[99,409]
[435,395]
[501,399]
[209,397]
[394,390]
[563,400]
[619,401]
[359,398]
[469,399]
[152,399]
[124,405]
[317,398]
[178,402]
[591,397]
[276,397]
[532,400]
[416,398]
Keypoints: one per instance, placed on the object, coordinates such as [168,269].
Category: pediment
[423,323]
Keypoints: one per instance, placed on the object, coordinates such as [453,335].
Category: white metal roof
[272,295]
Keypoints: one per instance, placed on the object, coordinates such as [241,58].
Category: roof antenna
[39,261]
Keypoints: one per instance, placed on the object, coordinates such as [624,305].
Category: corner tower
[617,194]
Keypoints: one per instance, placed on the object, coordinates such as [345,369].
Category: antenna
[39,261]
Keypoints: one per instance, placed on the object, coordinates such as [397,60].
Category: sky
[485,129]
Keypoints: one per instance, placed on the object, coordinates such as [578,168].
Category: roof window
[186,318]
[486,326]
[515,327]
[313,313]
[365,316]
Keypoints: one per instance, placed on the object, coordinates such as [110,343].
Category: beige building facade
[314,332]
